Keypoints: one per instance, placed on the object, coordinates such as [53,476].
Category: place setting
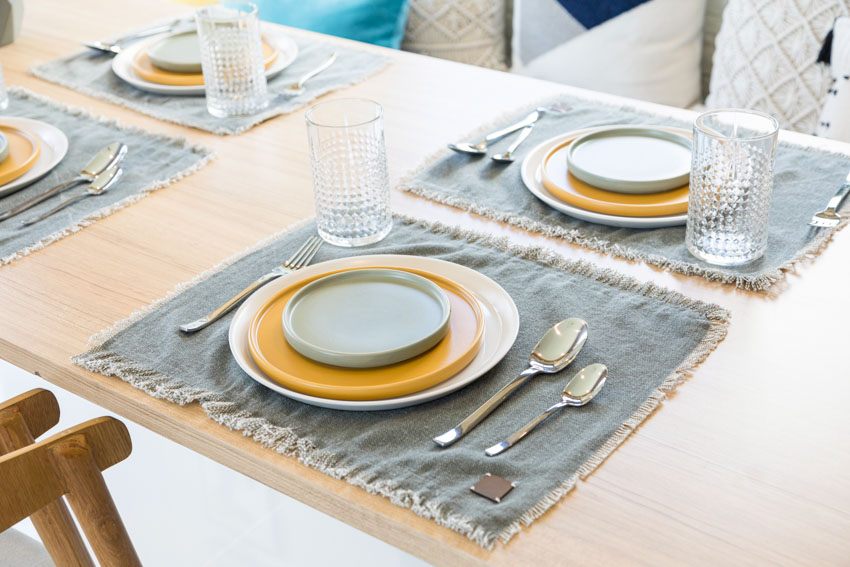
[434,366]
[645,187]
[254,70]
[62,168]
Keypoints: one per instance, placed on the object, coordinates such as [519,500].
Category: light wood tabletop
[746,464]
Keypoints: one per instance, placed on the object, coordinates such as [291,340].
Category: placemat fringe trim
[576,236]
[206,154]
[283,440]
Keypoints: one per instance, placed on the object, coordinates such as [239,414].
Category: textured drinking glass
[731,186]
[350,179]
[232,58]
[4,95]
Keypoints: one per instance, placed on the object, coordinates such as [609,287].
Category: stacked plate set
[29,150]
[623,176]
[373,332]
[170,63]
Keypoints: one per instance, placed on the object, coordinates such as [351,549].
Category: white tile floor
[181,508]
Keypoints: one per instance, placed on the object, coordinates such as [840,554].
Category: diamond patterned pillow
[765,58]
[467,31]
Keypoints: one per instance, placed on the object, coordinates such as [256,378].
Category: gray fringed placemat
[805,178]
[90,73]
[650,338]
[153,161]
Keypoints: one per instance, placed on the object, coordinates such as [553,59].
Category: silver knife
[103,160]
[114,47]
[99,186]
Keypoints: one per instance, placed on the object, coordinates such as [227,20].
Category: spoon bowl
[466,148]
[559,346]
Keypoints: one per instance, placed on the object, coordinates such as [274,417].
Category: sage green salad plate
[178,53]
[631,159]
[366,318]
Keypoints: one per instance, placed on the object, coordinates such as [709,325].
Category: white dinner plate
[122,64]
[532,177]
[501,325]
[54,146]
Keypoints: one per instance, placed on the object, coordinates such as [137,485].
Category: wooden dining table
[747,463]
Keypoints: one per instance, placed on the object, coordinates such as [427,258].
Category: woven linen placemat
[649,337]
[805,178]
[90,73]
[152,162]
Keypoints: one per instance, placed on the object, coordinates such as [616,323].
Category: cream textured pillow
[468,31]
[645,49]
[765,58]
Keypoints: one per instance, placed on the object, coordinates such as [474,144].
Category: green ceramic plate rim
[622,185]
[369,359]
[4,146]
[171,66]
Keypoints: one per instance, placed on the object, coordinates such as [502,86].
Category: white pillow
[651,52]
[765,58]
[834,120]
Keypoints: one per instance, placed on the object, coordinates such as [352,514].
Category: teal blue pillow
[372,21]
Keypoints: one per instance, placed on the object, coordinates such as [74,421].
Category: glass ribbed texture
[731,186]
[232,59]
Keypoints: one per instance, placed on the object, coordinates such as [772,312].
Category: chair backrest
[34,477]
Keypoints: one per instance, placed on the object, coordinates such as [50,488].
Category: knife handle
[44,196]
[227,306]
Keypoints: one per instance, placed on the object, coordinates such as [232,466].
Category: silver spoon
[99,186]
[296,89]
[480,148]
[580,390]
[508,157]
[558,347]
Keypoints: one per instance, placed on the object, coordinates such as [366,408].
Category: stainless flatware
[103,160]
[507,156]
[302,257]
[98,186]
[580,390]
[114,47]
[557,349]
[296,89]
[828,218]
[480,148]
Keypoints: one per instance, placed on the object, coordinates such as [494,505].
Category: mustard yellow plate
[145,69]
[565,186]
[24,149]
[285,365]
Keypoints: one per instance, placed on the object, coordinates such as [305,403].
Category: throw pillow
[834,120]
[766,58]
[372,21]
[467,31]
[646,49]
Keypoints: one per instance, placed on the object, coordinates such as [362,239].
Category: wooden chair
[35,476]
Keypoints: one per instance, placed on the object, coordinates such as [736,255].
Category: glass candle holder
[731,185]
[232,59]
[350,178]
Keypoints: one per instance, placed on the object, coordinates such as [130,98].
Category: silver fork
[302,257]
[828,218]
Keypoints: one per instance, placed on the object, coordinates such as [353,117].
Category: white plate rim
[123,68]
[54,147]
[533,181]
[500,313]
